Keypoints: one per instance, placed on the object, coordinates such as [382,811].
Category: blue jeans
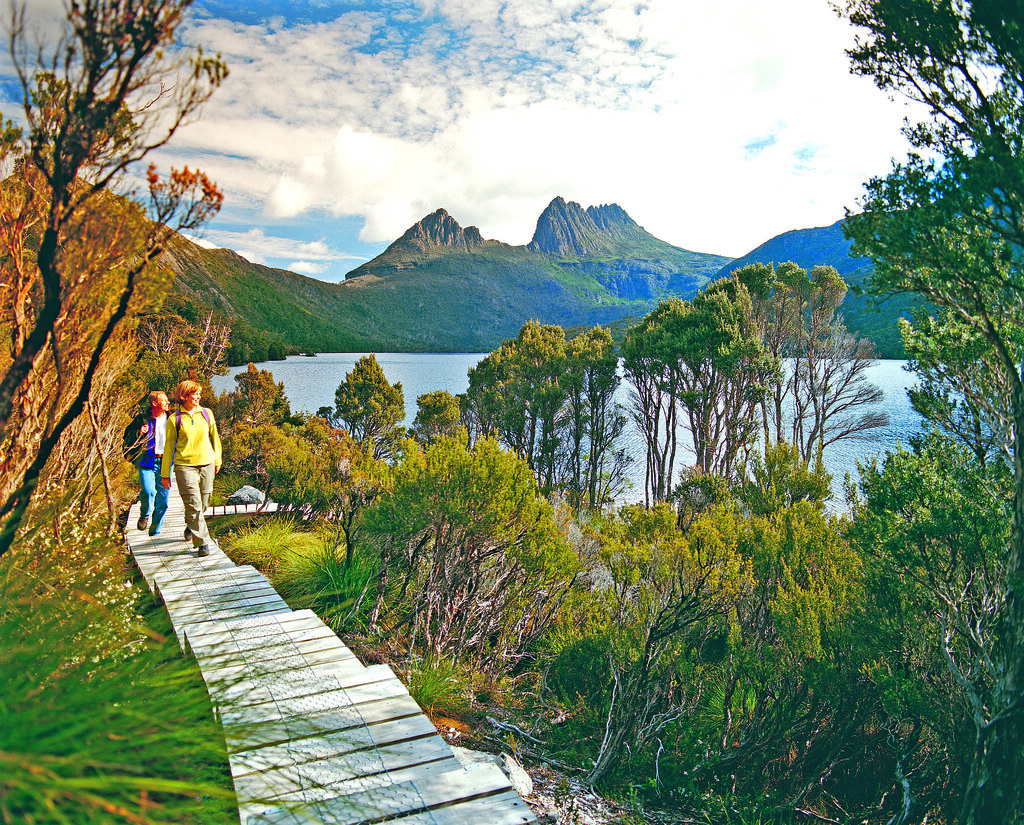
[152,498]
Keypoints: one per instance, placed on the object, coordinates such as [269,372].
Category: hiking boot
[204,550]
[143,523]
[188,534]
[153,531]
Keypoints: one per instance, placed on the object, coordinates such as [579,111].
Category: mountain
[442,287]
[863,314]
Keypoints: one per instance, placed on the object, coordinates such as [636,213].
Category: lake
[310,383]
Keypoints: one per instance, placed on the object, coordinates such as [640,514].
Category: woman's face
[191,400]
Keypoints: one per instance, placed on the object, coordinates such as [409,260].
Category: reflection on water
[310,383]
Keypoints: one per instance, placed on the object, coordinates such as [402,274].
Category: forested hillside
[444,288]
[863,314]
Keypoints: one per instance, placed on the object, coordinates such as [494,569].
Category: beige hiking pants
[195,486]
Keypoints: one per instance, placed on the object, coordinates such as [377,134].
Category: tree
[482,567]
[516,393]
[257,399]
[702,360]
[369,406]
[963,390]
[948,224]
[552,403]
[439,414]
[725,377]
[75,254]
[593,421]
[932,525]
[654,398]
[816,398]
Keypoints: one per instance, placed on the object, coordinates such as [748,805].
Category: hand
[166,481]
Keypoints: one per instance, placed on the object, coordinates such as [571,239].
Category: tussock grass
[316,577]
[441,688]
[102,720]
[308,570]
[267,544]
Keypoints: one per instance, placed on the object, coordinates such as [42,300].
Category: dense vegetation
[730,649]
[87,734]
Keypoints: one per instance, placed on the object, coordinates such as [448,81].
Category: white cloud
[699,119]
[257,246]
[307,268]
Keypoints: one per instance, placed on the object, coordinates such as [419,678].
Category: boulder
[246,495]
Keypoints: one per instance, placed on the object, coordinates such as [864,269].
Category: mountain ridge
[445,288]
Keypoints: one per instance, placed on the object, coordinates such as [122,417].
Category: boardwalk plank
[397,734]
[257,627]
[248,737]
[310,702]
[306,724]
[304,682]
[394,801]
[219,650]
[324,782]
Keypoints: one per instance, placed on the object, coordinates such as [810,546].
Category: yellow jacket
[194,444]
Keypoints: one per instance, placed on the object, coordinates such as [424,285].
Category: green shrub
[313,574]
[439,687]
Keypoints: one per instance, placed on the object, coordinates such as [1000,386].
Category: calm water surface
[310,383]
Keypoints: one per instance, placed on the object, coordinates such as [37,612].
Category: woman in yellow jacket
[193,447]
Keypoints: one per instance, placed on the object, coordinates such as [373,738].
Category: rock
[245,495]
[517,775]
[470,758]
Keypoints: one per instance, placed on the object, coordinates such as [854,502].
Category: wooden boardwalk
[312,735]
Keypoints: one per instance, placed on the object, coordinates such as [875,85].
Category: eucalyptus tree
[948,224]
[701,362]
[726,372]
[593,421]
[649,366]
[516,394]
[822,395]
[551,402]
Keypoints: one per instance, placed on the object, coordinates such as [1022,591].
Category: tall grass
[309,571]
[101,719]
[439,687]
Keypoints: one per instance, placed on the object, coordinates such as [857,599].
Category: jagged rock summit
[565,229]
[440,229]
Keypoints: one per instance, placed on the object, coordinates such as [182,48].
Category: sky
[716,124]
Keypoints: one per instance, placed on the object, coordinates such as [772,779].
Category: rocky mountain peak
[440,229]
[565,229]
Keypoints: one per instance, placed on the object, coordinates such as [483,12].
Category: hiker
[144,447]
[194,452]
